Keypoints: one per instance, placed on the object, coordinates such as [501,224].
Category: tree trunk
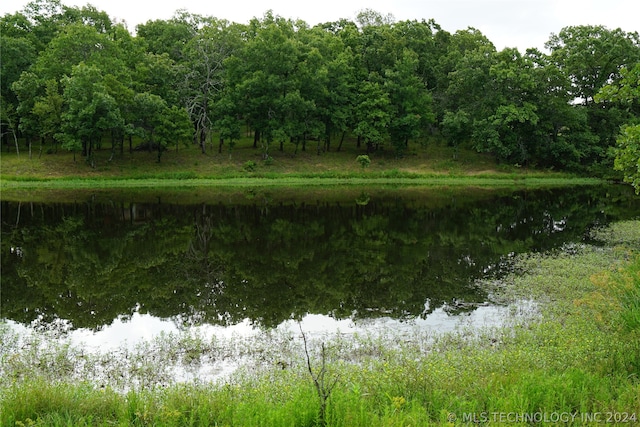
[90,155]
[195,133]
[15,139]
[327,137]
[4,136]
[344,133]
[41,145]
[203,141]
[90,151]
[114,141]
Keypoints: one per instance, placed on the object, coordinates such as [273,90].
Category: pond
[114,268]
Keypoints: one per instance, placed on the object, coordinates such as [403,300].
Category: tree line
[73,76]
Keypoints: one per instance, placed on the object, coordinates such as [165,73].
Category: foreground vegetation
[568,352]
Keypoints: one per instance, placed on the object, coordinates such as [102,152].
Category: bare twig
[322,387]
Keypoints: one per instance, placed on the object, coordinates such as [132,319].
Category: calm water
[130,268]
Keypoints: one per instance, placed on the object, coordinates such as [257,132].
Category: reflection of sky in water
[142,327]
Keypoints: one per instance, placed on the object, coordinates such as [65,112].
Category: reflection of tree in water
[202,271]
[91,263]
[203,268]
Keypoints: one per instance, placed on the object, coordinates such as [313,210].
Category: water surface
[116,268]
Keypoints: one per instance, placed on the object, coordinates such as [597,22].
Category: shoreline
[508,180]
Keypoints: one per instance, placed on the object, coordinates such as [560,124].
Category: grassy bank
[568,353]
[433,164]
[505,180]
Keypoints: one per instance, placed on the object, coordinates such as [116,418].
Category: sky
[507,23]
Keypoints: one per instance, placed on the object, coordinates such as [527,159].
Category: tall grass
[569,348]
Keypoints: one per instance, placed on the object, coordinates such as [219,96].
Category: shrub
[364,160]
[250,166]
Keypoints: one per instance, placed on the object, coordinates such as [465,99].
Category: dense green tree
[158,124]
[30,32]
[372,114]
[453,48]
[159,75]
[562,138]
[625,91]
[627,151]
[123,93]
[422,37]
[628,155]
[17,56]
[411,106]
[330,80]
[27,89]
[467,79]
[592,57]
[456,128]
[169,36]
[49,109]
[379,48]
[40,21]
[91,110]
[78,43]
[467,97]
[306,104]
[174,127]
[509,129]
[18,26]
[335,108]
[149,109]
[89,16]
[261,76]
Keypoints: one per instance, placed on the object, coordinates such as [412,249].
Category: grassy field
[567,354]
[428,165]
